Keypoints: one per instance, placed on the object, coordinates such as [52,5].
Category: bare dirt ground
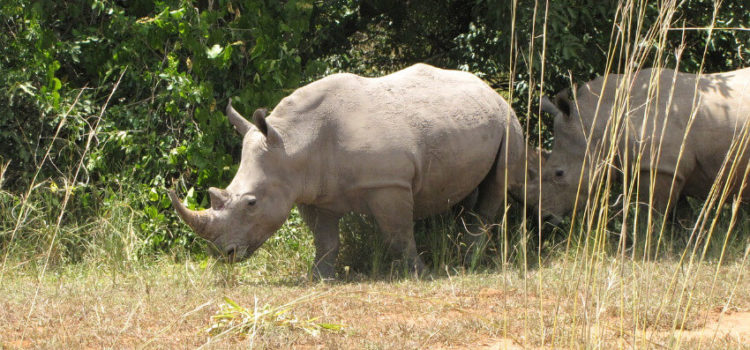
[733,326]
[168,306]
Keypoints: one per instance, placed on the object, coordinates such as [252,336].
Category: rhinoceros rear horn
[240,123]
[550,107]
[559,108]
[218,198]
[544,154]
[535,157]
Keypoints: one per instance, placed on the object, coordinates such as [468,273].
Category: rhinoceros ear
[240,123]
[544,154]
[259,119]
[562,101]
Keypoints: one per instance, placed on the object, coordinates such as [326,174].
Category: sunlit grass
[165,303]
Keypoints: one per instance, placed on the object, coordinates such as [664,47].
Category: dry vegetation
[607,304]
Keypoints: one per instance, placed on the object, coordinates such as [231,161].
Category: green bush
[177,62]
[114,102]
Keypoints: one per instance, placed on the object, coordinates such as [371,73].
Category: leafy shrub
[177,64]
[113,102]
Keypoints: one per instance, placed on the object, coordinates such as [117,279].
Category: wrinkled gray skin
[398,148]
[723,110]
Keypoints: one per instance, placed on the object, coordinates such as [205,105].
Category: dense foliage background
[106,104]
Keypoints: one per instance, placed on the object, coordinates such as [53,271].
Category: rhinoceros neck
[300,161]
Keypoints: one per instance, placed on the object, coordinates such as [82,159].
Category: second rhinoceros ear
[240,123]
[563,102]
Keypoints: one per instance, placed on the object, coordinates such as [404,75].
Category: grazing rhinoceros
[682,126]
[398,147]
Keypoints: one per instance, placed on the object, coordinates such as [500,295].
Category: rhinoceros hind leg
[478,224]
[393,210]
[325,228]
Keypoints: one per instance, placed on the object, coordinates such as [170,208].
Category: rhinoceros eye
[248,199]
[559,173]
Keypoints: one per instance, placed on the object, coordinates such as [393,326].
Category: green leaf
[151,212]
[331,326]
[214,51]
[233,303]
[153,195]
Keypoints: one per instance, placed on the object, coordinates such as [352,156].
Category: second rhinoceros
[399,147]
[678,133]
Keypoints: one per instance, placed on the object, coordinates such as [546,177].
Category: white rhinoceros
[399,147]
[674,126]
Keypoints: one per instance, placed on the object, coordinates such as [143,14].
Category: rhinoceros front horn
[197,220]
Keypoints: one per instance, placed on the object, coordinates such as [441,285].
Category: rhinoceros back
[435,131]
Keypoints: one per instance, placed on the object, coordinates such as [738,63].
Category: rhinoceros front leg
[665,193]
[393,210]
[325,228]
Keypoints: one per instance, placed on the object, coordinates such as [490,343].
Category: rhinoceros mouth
[552,219]
[235,254]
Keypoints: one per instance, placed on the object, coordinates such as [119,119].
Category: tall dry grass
[641,235]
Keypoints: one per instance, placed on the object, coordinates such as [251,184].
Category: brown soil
[733,326]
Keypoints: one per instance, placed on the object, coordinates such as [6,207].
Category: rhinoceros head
[561,172]
[257,201]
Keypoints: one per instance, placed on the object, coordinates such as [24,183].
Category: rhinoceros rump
[655,128]
[398,147]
